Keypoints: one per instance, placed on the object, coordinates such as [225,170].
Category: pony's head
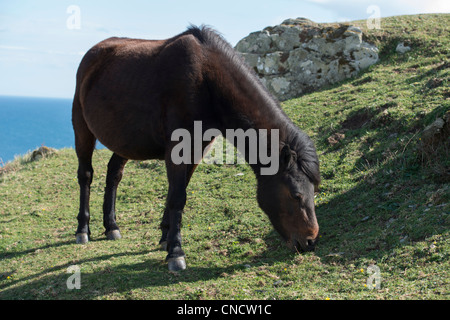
[288,197]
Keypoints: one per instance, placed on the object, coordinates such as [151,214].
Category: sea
[28,123]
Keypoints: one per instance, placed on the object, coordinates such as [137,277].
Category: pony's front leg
[165,224]
[176,201]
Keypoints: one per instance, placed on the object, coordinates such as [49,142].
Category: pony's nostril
[310,243]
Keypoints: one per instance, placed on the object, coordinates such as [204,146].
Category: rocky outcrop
[300,56]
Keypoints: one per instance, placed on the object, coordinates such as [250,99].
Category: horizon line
[34,97]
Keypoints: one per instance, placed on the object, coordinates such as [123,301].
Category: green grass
[382,201]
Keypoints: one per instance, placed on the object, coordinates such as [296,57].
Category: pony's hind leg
[84,146]
[115,172]
[85,174]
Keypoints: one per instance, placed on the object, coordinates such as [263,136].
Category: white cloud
[319,1]
[58,52]
[429,6]
[356,10]
[442,6]
[14,48]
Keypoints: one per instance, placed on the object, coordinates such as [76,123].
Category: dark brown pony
[132,94]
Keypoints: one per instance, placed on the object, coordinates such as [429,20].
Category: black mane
[306,152]
[298,141]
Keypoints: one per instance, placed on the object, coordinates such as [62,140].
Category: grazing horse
[132,94]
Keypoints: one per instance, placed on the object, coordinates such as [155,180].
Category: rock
[438,131]
[433,129]
[401,48]
[277,283]
[300,56]
[41,152]
[433,146]
[335,138]
[390,222]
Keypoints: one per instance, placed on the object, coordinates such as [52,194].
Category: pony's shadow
[51,283]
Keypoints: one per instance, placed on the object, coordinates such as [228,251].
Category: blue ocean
[28,123]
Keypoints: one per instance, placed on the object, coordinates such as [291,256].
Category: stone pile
[300,56]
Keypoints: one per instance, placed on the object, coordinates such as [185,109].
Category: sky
[42,42]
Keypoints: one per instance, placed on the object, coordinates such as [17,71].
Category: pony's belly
[132,152]
[132,137]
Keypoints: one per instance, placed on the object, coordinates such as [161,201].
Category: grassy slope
[380,203]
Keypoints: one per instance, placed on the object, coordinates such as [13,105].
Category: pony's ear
[285,157]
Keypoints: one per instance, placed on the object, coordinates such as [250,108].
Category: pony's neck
[245,104]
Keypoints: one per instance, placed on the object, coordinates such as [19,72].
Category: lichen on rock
[300,55]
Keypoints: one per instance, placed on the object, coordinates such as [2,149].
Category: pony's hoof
[113,235]
[163,245]
[82,238]
[177,264]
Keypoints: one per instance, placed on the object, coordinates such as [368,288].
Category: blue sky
[39,53]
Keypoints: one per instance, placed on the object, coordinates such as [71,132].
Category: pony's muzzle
[310,244]
[304,245]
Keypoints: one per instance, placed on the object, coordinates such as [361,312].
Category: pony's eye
[294,156]
[299,197]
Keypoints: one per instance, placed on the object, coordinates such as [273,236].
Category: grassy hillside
[384,201]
